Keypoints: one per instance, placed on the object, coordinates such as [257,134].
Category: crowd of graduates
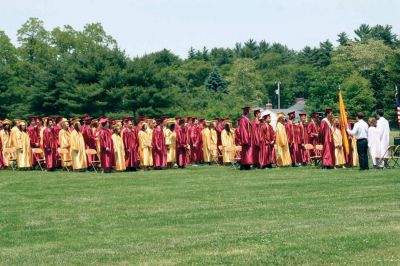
[86,143]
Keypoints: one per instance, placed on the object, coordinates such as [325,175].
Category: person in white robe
[384,134]
[374,143]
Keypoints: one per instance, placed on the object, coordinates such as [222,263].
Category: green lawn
[201,215]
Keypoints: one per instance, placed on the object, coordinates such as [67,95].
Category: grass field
[201,215]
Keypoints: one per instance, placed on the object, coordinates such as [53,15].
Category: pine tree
[215,82]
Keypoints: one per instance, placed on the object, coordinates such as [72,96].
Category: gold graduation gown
[64,142]
[22,144]
[282,146]
[78,151]
[228,146]
[144,149]
[6,142]
[119,152]
[339,154]
[170,141]
[206,143]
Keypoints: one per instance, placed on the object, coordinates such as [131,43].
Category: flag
[277,91]
[343,121]
[398,105]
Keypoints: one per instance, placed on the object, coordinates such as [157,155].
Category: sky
[145,26]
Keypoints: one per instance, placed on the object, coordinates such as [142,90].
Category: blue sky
[141,26]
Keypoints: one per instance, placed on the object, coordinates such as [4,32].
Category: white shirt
[360,130]
[384,133]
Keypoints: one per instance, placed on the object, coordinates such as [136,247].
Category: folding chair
[12,157]
[317,158]
[238,149]
[64,163]
[392,156]
[37,153]
[95,163]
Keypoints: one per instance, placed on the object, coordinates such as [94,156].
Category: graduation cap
[292,114]
[266,116]
[87,118]
[103,120]
[7,121]
[281,114]
[76,121]
[50,119]
[58,119]
[328,110]
[303,115]
[256,111]
[315,114]
[32,118]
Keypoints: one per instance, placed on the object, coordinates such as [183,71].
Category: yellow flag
[343,122]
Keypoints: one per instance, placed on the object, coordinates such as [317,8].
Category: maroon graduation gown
[159,148]
[50,145]
[107,158]
[131,147]
[181,143]
[245,139]
[326,138]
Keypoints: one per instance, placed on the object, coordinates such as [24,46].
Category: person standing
[64,142]
[340,161]
[245,138]
[144,147]
[23,147]
[106,145]
[170,142]
[374,143]
[269,136]
[326,138]
[313,133]
[384,134]
[50,145]
[228,144]
[78,147]
[360,132]
[159,148]
[5,140]
[206,142]
[282,146]
[182,144]
[130,144]
[292,140]
[119,148]
[257,141]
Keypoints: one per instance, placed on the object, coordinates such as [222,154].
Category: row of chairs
[38,155]
[391,157]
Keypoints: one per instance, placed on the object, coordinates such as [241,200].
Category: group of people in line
[119,145]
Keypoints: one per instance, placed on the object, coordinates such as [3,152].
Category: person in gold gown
[119,148]
[64,142]
[282,146]
[144,147]
[340,160]
[206,142]
[170,142]
[22,144]
[5,140]
[228,144]
[78,150]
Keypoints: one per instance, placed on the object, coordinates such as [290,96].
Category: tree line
[69,72]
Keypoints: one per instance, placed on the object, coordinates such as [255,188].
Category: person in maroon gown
[159,148]
[269,140]
[34,135]
[262,145]
[50,145]
[181,144]
[256,127]
[291,136]
[89,138]
[245,139]
[1,155]
[188,126]
[107,159]
[131,145]
[326,139]
[196,142]
[313,133]
[302,138]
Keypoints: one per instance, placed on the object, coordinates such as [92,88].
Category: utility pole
[278,92]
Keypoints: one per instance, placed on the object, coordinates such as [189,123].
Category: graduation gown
[6,143]
[170,142]
[269,136]
[206,143]
[313,136]
[228,146]
[326,138]
[159,148]
[50,146]
[131,146]
[90,141]
[34,136]
[292,137]
[257,142]
[302,139]
[64,142]
[78,151]
[1,155]
[23,148]
[374,144]
[283,157]
[181,144]
[245,138]
[119,152]
[144,149]
[339,151]
[195,144]
[107,158]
